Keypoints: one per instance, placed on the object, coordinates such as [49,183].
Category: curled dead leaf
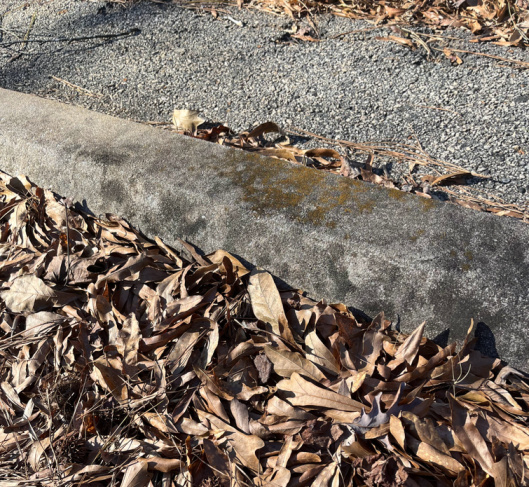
[187,120]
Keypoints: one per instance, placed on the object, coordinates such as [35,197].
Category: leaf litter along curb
[127,363]
[502,22]
[434,184]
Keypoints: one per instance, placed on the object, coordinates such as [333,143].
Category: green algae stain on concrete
[270,186]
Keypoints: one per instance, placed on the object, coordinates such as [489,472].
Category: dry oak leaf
[266,302]
[244,445]
[265,128]
[108,373]
[429,454]
[218,256]
[29,293]
[301,392]
[136,475]
[187,120]
[160,464]
[318,353]
[286,363]
[408,350]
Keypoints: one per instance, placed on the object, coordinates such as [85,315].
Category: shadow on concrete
[486,341]
[442,338]
[83,206]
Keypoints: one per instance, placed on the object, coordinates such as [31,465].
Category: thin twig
[358,31]
[26,37]
[491,56]
[419,41]
[67,241]
[130,32]
[84,91]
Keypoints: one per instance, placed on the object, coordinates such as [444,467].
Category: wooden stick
[84,91]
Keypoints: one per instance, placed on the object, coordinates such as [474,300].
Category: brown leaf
[278,407]
[263,366]
[322,153]
[386,473]
[287,154]
[286,363]
[164,465]
[136,475]
[408,350]
[240,413]
[328,477]
[29,293]
[430,454]
[218,256]
[318,353]
[129,340]
[458,177]
[244,445]
[108,373]
[301,392]
[397,430]
[265,128]
[266,302]
[393,12]
[41,323]
[470,437]
[219,461]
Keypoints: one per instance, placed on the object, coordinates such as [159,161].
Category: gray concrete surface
[339,239]
[354,87]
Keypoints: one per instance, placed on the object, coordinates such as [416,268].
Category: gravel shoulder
[353,87]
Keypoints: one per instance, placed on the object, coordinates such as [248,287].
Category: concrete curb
[342,240]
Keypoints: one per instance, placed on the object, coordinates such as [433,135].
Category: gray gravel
[355,87]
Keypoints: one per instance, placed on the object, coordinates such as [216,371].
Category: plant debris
[128,363]
[503,22]
[437,184]
[187,120]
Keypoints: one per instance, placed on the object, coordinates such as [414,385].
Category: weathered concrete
[372,248]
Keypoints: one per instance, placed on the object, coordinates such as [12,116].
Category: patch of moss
[268,187]
[396,194]
[427,203]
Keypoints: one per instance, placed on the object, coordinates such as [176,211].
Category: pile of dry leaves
[125,363]
[504,22]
